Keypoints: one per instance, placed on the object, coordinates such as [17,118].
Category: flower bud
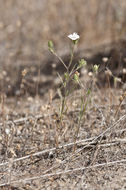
[82,63]
[95,68]
[50,46]
[76,77]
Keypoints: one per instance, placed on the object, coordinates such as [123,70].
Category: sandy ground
[39,152]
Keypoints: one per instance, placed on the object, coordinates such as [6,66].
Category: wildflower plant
[71,74]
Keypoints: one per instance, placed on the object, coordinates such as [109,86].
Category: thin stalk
[62,107]
[72,55]
[82,111]
[60,60]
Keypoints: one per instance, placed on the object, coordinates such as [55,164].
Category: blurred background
[26,26]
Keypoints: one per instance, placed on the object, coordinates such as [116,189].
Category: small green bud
[82,63]
[95,68]
[76,77]
[50,46]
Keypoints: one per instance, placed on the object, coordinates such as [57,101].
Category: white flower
[74,36]
[105,59]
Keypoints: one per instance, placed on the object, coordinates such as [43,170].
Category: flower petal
[74,36]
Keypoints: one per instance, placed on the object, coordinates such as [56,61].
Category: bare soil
[39,152]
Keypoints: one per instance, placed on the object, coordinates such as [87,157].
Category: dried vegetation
[36,150]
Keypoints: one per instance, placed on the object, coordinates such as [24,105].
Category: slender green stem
[72,55]
[60,60]
[62,107]
[63,100]
[82,111]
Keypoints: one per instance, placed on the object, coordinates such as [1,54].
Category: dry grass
[39,151]
[31,157]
